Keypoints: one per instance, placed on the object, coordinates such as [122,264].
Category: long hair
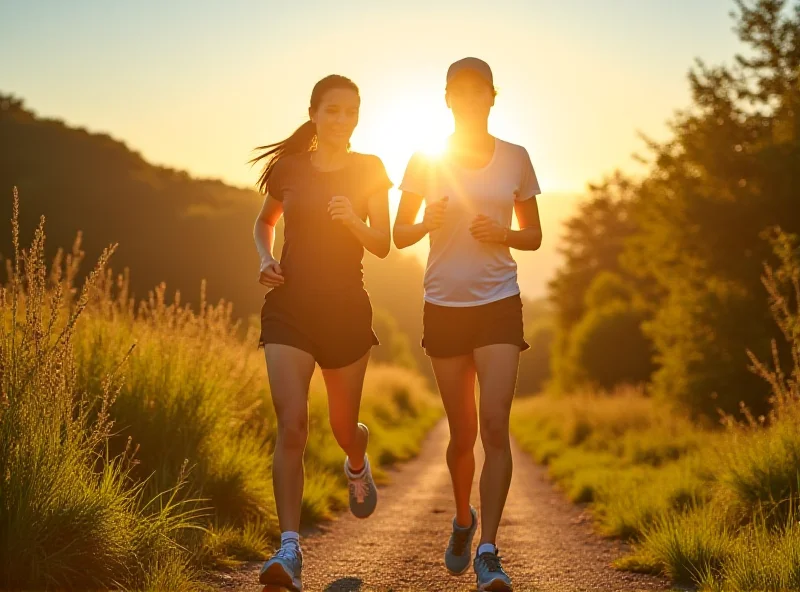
[304,137]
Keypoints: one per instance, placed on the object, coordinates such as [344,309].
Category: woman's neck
[471,147]
[472,135]
[327,157]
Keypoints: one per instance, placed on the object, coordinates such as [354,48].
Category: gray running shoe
[363,493]
[490,574]
[459,550]
[284,569]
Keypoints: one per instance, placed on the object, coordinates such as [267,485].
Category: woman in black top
[317,310]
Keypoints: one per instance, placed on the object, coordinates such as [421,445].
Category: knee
[494,431]
[293,433]
[462,439]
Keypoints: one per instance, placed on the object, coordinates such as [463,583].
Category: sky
[196,85]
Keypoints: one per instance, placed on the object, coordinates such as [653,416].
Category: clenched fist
[271,274]
[486,230]
[434,214]
[341,209]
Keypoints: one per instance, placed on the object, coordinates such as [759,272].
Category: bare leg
[456,380]
[290,372]
[344,400]
[497,367]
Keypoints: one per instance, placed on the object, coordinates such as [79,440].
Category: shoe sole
[495,586]
[362,517]
[371,512]
[458,573]
[365,516]
[275,575]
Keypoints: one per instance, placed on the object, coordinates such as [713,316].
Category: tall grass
[69,514]
[136,437]
[714,508]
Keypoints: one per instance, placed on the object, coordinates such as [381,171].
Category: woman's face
[336,117]
[469,97]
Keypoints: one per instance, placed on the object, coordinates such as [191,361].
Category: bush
[608,348]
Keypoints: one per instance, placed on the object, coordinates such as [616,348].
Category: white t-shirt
[462,271]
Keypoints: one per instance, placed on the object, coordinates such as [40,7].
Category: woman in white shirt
[473,310]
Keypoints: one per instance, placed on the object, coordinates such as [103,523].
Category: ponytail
[302,140]
[304,137]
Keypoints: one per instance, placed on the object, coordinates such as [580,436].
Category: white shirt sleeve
[416,175]
[528,184]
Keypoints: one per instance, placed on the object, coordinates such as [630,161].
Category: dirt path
[546,542]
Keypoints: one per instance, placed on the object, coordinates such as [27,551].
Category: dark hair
[304,137]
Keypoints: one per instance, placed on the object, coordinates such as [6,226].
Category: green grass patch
[714,509]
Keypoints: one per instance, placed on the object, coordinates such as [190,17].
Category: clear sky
[197,84]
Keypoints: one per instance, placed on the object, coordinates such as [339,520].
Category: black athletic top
[321,254]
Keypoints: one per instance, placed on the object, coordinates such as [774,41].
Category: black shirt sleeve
[377,178]
[276,179]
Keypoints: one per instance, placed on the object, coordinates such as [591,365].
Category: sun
[398,126]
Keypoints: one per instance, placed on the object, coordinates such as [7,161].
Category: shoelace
[491,561]
[360,489]
[289,553]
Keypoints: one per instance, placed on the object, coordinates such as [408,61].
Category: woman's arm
[375,235]
[264,236]
[529,235]
[527,238]
[406,233]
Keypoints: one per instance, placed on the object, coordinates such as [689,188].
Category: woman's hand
[341,209]
[434,214]
[486,230]
[271,274]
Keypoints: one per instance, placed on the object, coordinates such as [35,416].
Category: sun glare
[402,125]
[433,145]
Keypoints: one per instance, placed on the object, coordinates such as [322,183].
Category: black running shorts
[335,328]
[450,331]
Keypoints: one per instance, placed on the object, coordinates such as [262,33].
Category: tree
[591,279]
[592,242]
[731,169]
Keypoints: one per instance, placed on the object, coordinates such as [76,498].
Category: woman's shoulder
[289,162]
[371,170]
[367,160]
[510,148]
